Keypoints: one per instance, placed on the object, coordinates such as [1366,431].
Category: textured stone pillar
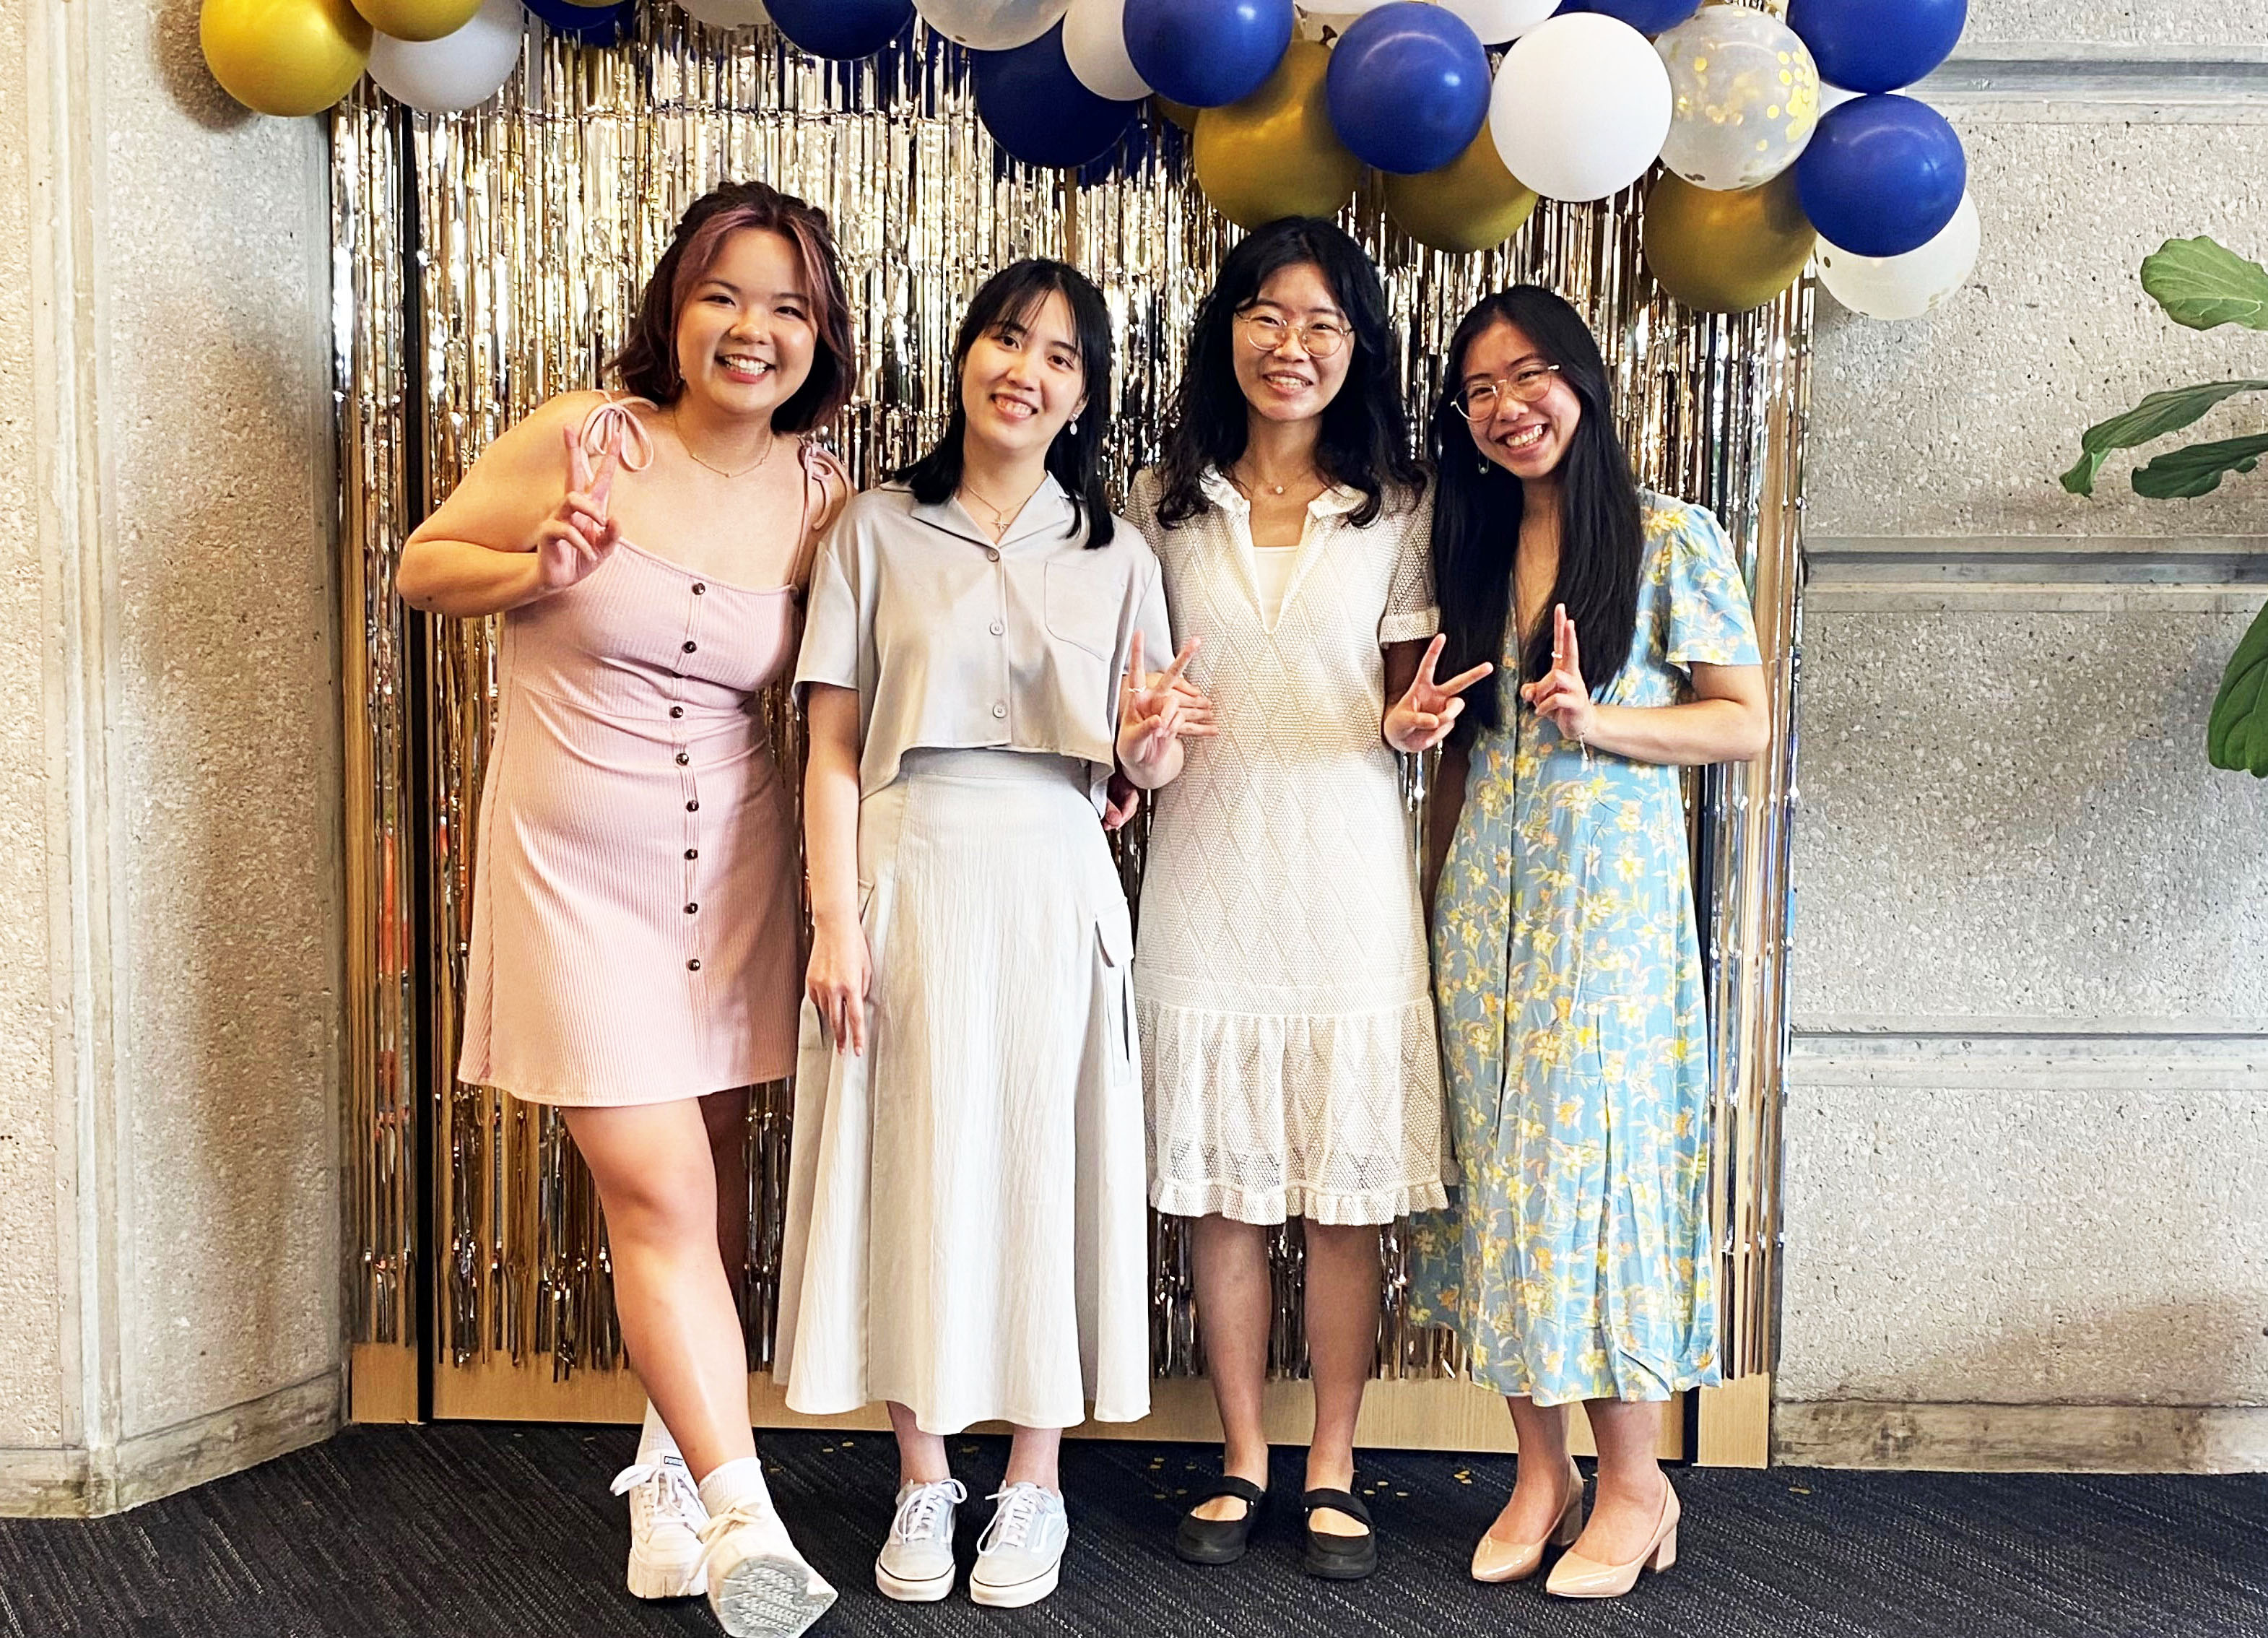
[2027,1149]
[170,887]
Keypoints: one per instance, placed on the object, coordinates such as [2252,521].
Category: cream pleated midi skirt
[967,1226]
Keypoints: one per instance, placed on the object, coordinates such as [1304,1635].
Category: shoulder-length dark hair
[1477,507]
[1364,440]
[1009,300]
[647,364]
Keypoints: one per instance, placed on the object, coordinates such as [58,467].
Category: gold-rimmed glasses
[1321,337]
[1479,401]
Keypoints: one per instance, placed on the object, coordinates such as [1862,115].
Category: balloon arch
[1779,138]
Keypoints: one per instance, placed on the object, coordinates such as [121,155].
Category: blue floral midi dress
[1575,1260]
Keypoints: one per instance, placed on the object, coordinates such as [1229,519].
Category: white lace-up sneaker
[1022,1550]
[915,1565]
[666,1520]
[759,1586]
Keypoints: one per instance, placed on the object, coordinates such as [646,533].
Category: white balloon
[1496,21]
[1906,287]
[726,13]
[1581,107]
[1094,45]
[992,25]
[459,70]
[1746,98]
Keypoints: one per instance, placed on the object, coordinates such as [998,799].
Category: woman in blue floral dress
[1577,1263]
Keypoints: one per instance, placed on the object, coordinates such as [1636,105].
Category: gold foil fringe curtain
[530,228]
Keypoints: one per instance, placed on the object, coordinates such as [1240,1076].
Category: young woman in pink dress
[635,955]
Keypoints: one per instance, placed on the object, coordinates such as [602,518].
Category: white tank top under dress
[636,916]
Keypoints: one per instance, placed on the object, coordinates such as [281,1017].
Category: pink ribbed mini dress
[636,903]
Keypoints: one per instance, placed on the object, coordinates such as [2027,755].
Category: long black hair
[1009,300]
[1477,507]
[1364,438]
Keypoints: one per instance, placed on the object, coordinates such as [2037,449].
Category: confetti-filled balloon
[1094,45]
[1906,287]
[1884,176]
[285,57]
[460,71]
[1207,53]
[1472,204]
[992,25]
[1878,45]
[1408,87]
[1720,251]
[1274,153]
[1037,110]
[842,29]
[1581,108]
[1746,98]
[417,19]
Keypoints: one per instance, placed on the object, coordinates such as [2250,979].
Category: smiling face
[1288,380]
[1024,380]
[1527,440]
[745,329]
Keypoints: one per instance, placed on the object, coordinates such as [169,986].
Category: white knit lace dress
[1281,975]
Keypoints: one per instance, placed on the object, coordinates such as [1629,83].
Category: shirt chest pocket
[1082,604]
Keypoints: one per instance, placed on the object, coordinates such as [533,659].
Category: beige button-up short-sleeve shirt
[954,642]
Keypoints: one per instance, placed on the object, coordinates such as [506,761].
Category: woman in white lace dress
[1281,982]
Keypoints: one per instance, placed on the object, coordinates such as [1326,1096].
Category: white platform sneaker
[759,1586]
[915,1565]
[666,1520]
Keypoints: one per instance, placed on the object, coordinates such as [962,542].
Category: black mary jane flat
[1338,1558]
[1220,1540]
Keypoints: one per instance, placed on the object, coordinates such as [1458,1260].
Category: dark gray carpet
[501,1532]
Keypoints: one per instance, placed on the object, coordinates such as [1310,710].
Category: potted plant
[2201,285]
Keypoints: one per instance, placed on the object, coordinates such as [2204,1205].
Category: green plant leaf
[2236,737]
[2203,285]
[2185,473]
[2155,417]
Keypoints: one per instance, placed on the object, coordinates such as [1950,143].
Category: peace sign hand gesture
[1422,718]
[1562,697]
[1156,712]
[579,535]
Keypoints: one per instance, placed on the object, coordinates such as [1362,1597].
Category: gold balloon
[285,57]
[1180,113]
[417,19]
[1725,251]
[1470,203]
[1275,153]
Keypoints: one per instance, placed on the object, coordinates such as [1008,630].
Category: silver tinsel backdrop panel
[487,260]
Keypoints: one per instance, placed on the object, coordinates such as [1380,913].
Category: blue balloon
[1878,45]
[586,25]
[1648,17]
[842,29]
[1037,110]
[1408,87]
[1883,176]
[1207,53]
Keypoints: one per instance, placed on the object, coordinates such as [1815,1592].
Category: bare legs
[921,1459]
[1230,1261]
[726,1114]
[656,1180]
[1629,1498]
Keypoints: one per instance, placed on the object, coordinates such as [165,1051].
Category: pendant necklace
[711,465]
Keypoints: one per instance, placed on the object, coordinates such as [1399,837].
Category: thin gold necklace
[999,514]
[1311,476]
[678,432]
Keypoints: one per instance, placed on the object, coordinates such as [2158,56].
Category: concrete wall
[169,891]
[2025,1129]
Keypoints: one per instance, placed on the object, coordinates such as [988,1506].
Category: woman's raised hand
[1422,718]
[1158,710]
[579,535]
[1562,697]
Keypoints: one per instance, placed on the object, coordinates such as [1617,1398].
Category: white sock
[654,1441]
[730,1484]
